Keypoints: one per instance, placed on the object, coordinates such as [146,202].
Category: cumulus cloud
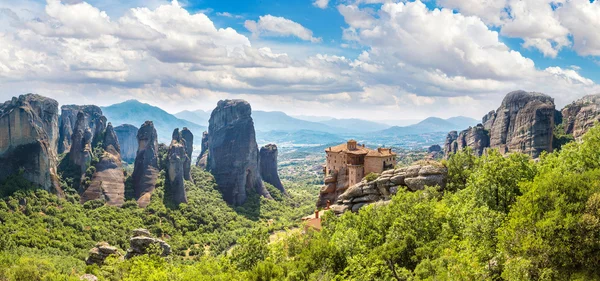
[269,25]
[321,3]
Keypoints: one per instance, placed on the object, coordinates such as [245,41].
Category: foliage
[371,177]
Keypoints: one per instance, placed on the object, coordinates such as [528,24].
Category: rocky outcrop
[108,182]
[414,178]
[434,148]
[127,139]
[523,123]
[100,252]
[330,191]
[29,140]
[579,116]
[94,120]
[477,138]
[268,166]
[233,152]
[145,171]
[81,150]
[142,242]
[203,157]
[188,137]
[451,144]
[177,160]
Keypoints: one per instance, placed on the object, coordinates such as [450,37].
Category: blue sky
[388,60]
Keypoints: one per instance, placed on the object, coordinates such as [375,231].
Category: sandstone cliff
[523,123]
[177,160]
[414,177]
[579,116]
[94,120]
[268,166]
[203,157]
[233,152]
[29,140]
[127,135]
[80,153]
[108,182]
[188,137]
[146,170]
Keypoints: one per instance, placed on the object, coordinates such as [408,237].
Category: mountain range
[277,126]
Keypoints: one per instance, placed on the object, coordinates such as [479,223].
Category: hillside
[430,125]
[136,113]
[199,116]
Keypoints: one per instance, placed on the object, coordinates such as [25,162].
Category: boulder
[579,116]
[100,252]
[145,171]
[177,160]
[29,140]
[142,242]
[126,134]
[268,166]
[108,182]
[233,157]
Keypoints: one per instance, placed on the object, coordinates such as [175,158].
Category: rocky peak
[523,123]
[188,137]
[579,116]
[111,139]
[203,157]
[93,119]
[233,152]
[146,169]
[268,166]
[178,158]
[28,139]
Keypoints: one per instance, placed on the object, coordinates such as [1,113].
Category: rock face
[80,153]
[580,116]
[268,166]
[434,148]
[94,120]
[29,140]
[108,182]
[178,159]
[451,145]
[100,252]
[414,177]
[523,123]
[203,157]
[188,137]
[127,139]
[233,152]
[141,241]
[477,138]
[146,170]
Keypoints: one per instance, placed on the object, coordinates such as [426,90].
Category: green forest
[499,218]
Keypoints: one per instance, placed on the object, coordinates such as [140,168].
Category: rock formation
[146,170]
[579,116]
[477,138]
[29,140]
[141,241]
[81,150]
[188,137]
[94,120]
[100,252]
[268,166]
[108,182]
[203,157]
[233,152]
[177,161]
[127,139]
[523,123]
[414,178]
[451,145]
[434,148]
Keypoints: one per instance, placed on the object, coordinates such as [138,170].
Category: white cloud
[321,3]
[229,15]
[269,25]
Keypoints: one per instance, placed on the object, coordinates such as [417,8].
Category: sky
[369,59]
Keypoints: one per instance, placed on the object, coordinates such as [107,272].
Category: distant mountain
[430,125]
[300,137]
[199,116]
[354,125]
[136,113]
[266,121]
